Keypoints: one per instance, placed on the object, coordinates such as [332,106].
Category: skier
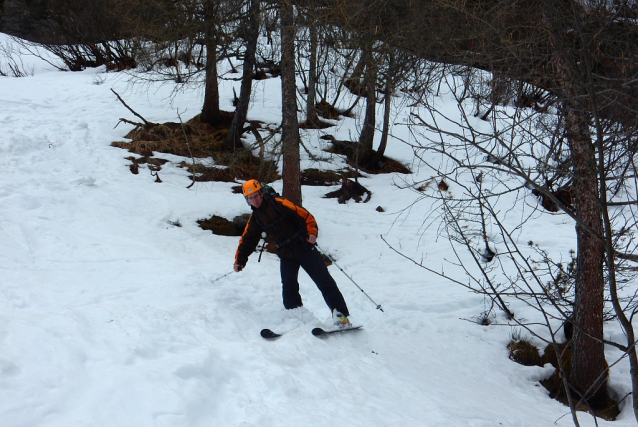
[295,231]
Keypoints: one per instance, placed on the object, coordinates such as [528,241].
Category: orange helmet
[250,187]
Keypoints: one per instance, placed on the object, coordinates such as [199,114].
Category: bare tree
[588,366]
[572,60]
[289,123]
[251,34]
[211,113]
[309,51]
[574,157]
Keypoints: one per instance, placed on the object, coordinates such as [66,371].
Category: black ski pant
[313,264]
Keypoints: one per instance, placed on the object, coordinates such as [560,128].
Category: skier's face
[255,199]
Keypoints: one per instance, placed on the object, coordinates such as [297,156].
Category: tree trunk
[233,140]
[588,370]
[311,106]
[357,72]
[289,123]
[588,367]
[389,88]
[366,138]
[210,110]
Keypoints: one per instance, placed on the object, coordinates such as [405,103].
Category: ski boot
[340,321]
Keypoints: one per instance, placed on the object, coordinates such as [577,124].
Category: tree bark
[211,113]
[389,89]
[588,367]
[233,140]
[366,138]
[588,373]
[289,123]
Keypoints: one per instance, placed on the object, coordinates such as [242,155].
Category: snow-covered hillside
[111,315]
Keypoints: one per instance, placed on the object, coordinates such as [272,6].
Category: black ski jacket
[288,224]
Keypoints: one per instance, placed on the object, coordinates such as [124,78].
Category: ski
[318,332]
[268,334]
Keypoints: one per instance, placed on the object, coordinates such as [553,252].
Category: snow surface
[110,315]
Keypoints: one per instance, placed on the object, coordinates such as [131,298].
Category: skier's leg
[290,286]
[313,264]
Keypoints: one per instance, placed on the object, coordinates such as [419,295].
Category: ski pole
[348,276]
[221,277]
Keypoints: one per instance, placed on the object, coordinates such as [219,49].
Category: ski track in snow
[109,315]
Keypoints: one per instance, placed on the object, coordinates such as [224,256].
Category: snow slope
[110,315]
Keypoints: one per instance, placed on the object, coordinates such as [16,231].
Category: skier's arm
[305,218]
[247,243]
